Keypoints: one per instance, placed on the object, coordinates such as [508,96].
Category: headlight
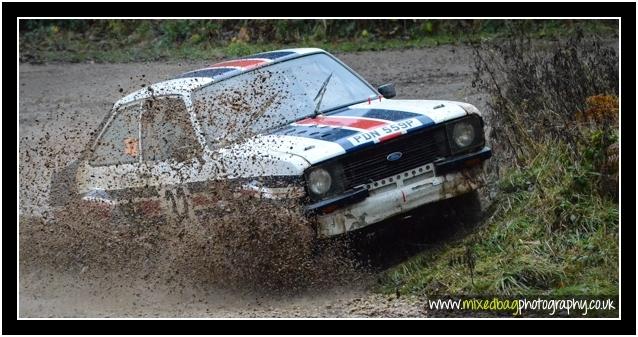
[319,181]
[463,134]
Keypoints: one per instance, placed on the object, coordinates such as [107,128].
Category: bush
[540,91]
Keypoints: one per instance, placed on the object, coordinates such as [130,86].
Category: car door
[112,176]
[172,153]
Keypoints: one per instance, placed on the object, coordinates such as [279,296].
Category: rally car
[288,124]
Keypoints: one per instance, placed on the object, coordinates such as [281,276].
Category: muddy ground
[60,104]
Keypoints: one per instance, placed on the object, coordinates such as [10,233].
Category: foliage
[134,40]
[539,91]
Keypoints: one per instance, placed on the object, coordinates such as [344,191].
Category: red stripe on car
[201,200]
[97,207]
[357,123]
[245,63]
[150,207]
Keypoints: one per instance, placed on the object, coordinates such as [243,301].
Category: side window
[119,144]
[167,132]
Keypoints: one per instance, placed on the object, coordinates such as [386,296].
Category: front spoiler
[333,203]
[381,206]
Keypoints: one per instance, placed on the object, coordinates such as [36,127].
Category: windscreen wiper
[322,91]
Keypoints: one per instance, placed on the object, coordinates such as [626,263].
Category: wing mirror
[387,90]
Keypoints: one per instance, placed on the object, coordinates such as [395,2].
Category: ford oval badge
[394,156]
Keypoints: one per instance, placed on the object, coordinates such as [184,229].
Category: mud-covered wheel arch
[465,209]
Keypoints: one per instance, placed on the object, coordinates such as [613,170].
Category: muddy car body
[289,124]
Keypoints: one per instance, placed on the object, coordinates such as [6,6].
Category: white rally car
[294,124]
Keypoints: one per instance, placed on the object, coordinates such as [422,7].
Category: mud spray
[250,244]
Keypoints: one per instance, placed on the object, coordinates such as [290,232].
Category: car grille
[417,149]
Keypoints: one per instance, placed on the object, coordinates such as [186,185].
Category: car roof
[178,86]
[240,65]
[192,80]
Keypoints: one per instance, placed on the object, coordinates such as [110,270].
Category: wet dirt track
[59,105]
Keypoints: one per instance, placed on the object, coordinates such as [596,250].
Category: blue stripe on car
[388,115]
[221,71]
[329,134]
[273,55]
[206,72]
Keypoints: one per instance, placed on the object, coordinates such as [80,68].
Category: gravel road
[61,104]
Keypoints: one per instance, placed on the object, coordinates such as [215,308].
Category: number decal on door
[178,203]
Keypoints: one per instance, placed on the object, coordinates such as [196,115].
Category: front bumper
[407,191]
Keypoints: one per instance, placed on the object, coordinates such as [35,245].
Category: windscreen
[274,96]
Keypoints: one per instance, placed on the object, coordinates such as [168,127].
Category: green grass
[546,236]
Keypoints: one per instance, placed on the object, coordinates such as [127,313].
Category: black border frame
[627,325]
